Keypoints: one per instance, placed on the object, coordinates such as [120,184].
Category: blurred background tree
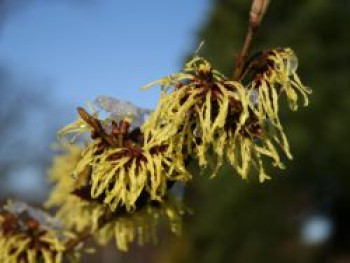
[27,127]
[22,168]
[303,213]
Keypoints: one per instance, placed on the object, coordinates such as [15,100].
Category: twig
[242,56]
[257,12]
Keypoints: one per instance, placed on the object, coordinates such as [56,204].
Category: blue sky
[77,52]
[105,47]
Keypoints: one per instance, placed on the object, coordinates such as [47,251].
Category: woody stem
[257,11]
[243,54]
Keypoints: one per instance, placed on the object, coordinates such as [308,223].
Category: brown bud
[124,125]
[32,224]
[8,224]
[258,11]
[85,116]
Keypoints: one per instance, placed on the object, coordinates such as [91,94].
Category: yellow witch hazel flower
[195,110]
[60,173]
[25,239]
[69,193]
[122,165]
[142,224]
[78,211]
[204,114]
[274,73]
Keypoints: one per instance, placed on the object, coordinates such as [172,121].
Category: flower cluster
[24,238]
[119,171]
[206,115]
[79,210]
[122,166]
[119,182]
[275,75]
